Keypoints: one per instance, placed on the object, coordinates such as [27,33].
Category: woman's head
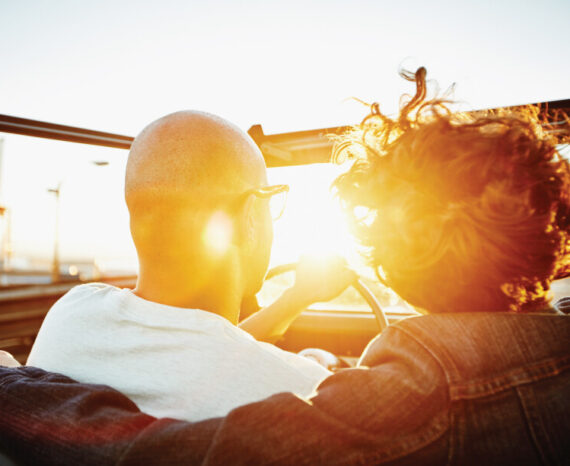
[459,212]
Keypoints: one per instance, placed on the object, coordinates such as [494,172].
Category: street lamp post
[55,265]
[55,273]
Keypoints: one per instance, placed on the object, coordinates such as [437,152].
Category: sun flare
[313,223]
[217,235]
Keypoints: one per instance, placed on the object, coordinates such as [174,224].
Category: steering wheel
[358,285]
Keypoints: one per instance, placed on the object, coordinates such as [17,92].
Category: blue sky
[117,65]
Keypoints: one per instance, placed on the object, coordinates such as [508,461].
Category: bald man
[197,194]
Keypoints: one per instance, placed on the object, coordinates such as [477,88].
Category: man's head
[460,213]
[185,182]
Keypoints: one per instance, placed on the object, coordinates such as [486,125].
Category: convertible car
[356,414]
[83,170]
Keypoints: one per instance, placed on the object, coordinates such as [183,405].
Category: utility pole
[55,275]
[55,265]
[2,213]
[5,248]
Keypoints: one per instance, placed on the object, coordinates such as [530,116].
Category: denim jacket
[465,389]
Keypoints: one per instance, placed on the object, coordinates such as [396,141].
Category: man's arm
[358,416]
[315,281]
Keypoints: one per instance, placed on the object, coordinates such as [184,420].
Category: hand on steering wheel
[326,291]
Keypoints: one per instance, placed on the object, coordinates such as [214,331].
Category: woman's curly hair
[459,212]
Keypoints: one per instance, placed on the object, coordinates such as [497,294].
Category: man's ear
[245,232]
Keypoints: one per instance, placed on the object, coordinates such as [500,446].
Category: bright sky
[290,65]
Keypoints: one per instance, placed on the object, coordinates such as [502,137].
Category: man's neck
[215,290]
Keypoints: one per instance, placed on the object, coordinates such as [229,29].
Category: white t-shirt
[172,362]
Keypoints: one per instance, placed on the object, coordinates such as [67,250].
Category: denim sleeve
[392,409]
[50,419]
[389,411]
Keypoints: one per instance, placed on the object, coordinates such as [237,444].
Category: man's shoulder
[80,299]
[492,345]
[460,328]
[88,290]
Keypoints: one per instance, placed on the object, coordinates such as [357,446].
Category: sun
[313,223]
